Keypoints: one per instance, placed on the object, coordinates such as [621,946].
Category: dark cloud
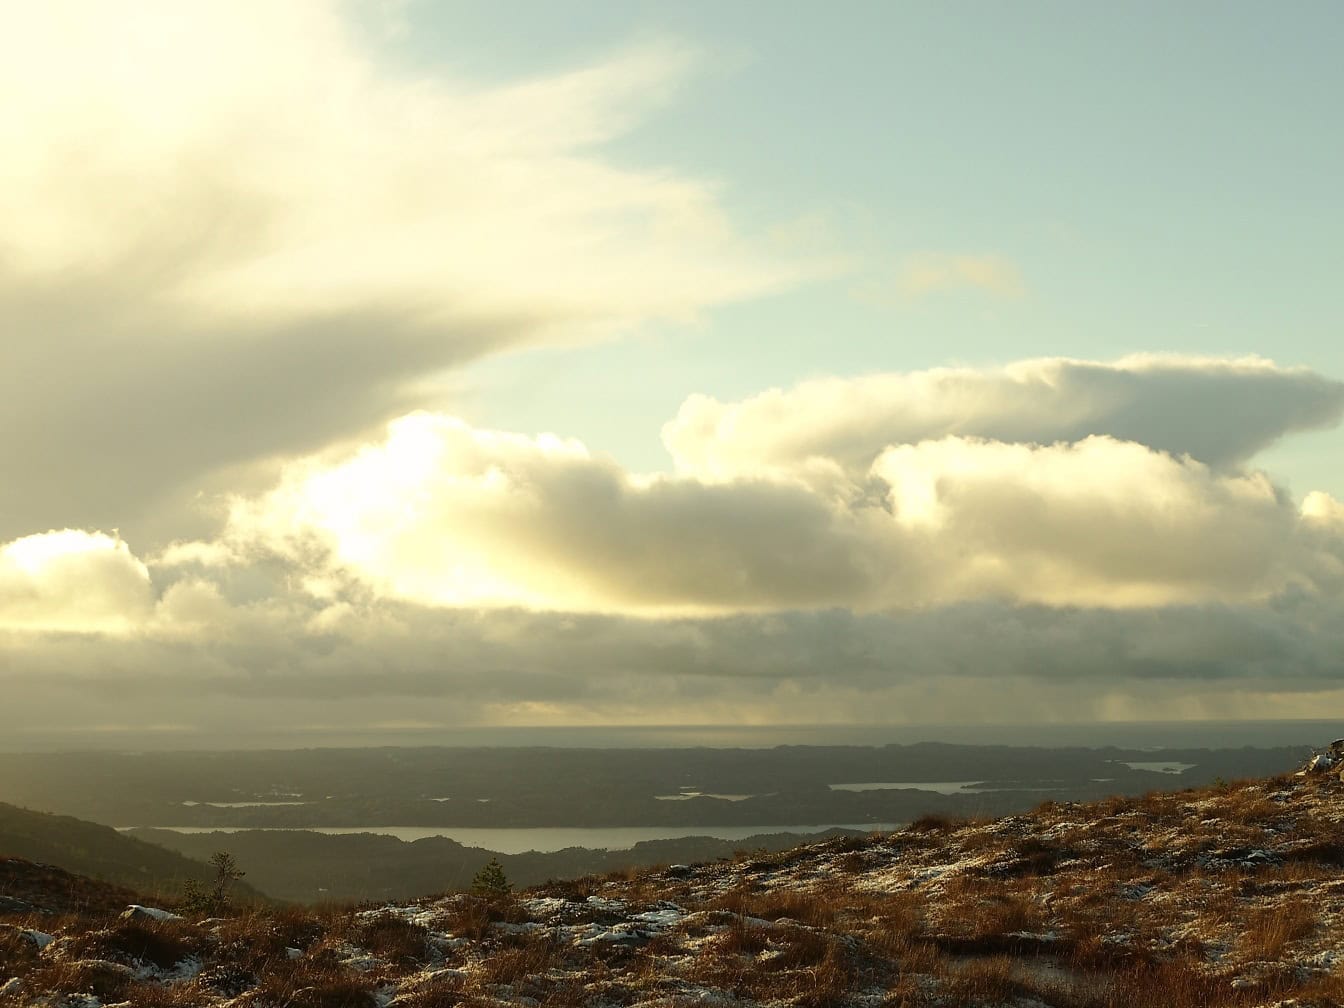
[468,666]
[116,414]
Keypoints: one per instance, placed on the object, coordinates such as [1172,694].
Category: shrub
[491,880]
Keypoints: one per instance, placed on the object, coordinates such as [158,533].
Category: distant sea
[1123,734]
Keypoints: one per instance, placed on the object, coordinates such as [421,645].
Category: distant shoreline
[1100,734]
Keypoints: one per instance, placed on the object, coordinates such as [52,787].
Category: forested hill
[100,852]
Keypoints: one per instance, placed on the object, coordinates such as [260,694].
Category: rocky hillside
[1231,895]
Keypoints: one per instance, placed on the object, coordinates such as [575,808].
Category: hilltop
[1223,896]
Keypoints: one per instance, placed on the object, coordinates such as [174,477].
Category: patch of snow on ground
[665,916]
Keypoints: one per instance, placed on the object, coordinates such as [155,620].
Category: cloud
[72,581]
[1217,410]
[458,576]
[933,272]
[232,232]
[258,161]
[443,514]
[1097,523]
[392,661]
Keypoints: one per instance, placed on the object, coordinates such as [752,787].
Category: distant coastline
[1124,734]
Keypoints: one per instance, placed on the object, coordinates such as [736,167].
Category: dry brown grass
[983,981]
[525,956]
[778,963]
[932,824]
[473,916]
[392,938]
[740,938]
[812,906]
[1004,914]
[1271,929]
[1039,857]
[253,944]
[1325,990]
[107,981]
[826,982]
[1252,808]
[574,890]
[310,990]
[1169,985]
[443,992]
[17,951]
[150,995]
[158,943]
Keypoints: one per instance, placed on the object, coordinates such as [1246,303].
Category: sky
[410,366]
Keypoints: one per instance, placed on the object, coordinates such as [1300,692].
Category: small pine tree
[491,880]
[226,873]
[197,898]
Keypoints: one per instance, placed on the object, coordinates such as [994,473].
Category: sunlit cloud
[253,159]
[443,514]
[73,581]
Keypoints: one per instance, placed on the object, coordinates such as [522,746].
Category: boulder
[1328,758]
[1319,763]
[136,912]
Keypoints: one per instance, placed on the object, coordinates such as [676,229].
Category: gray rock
[136,912]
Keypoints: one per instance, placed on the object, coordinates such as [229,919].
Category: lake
[939,787]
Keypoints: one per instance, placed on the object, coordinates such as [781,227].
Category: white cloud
[264,161]
[238,202]
[72,580]
[931,272]
[1220,411]
[443,514]
[1322,509]
[1097,523]
[239,636]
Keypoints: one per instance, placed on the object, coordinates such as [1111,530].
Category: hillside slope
[1230,896]
[32,887]
[99,852]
